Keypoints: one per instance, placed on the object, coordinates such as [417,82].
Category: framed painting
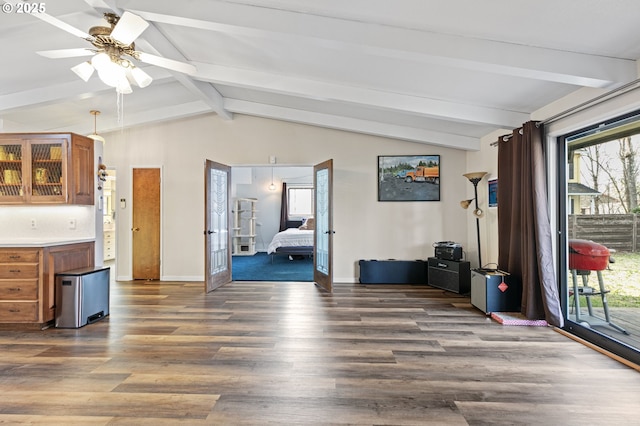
[408,178]
[493,192]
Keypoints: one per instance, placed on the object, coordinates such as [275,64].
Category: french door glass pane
[219,221]
[322,222]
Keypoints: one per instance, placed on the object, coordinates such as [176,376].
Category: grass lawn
[622,279]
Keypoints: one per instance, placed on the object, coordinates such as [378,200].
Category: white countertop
[42,242]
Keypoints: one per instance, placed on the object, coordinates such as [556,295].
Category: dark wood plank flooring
[287,353]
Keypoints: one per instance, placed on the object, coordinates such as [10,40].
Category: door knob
[135,229]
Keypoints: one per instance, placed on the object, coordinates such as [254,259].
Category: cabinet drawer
[18,289]
[19,256]
[17,271]
[19,311]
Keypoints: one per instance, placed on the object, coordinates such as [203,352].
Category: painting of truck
[409,178]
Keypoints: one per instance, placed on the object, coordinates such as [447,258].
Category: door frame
[129,209]
[230,183]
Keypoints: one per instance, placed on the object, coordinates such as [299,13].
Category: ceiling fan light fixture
[113,45]
[84,70]
[113,75]
[141,78]
[100,60]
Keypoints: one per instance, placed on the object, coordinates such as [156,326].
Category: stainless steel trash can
[82,297]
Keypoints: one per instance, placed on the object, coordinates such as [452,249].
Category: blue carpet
[260,268]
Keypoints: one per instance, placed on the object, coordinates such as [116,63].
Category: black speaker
[449,275]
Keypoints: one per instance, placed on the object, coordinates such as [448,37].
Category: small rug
[516,318]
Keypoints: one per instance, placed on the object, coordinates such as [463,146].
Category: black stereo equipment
[448,250]
[449,275]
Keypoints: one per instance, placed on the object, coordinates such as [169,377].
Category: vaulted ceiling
[429,71]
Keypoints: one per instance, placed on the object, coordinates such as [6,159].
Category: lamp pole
[475,178]
[475,193]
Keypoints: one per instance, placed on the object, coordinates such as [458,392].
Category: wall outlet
[72,224]
[34,224]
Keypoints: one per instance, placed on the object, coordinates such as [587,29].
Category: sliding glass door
[600,234]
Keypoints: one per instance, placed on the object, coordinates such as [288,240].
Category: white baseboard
[182,278]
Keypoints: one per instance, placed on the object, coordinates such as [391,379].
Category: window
[300,201]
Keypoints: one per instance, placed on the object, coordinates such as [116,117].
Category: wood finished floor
[286,353]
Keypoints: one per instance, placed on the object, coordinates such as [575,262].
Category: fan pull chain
[120,108]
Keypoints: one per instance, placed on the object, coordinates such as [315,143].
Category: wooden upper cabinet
[81,179]
[43,168]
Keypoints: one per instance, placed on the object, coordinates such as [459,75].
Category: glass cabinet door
[12,171]
[48,170]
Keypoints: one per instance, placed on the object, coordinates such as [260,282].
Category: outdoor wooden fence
[615,231]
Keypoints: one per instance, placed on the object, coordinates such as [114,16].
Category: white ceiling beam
[391,42]
[149,116]
[419,106]
[165,48]
[14,102]
[74,90]
[353,125]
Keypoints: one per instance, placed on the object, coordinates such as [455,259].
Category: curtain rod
[591,102]
[504,138]
[619,91]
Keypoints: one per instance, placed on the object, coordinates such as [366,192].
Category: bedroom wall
[365,228]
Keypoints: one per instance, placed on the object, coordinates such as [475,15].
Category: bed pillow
[308,224]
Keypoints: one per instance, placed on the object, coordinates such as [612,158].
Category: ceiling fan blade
[62,25]
[167,63]
[128,28]
[65,53]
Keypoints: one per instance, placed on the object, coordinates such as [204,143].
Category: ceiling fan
[113,50]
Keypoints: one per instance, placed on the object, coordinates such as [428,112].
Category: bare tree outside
[594,166]
[614,173]
[628,157]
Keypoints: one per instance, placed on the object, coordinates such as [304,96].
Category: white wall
[365,228]
[52,223]
[485,160]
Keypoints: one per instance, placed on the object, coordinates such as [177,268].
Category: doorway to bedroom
[271,208]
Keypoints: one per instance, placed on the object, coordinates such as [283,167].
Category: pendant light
[95,136]
[272,187]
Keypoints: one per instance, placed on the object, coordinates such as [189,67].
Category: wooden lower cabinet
[27,279]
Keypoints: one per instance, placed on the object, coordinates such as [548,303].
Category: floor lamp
[475,178]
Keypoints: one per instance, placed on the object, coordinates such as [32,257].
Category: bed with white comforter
[292,241]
